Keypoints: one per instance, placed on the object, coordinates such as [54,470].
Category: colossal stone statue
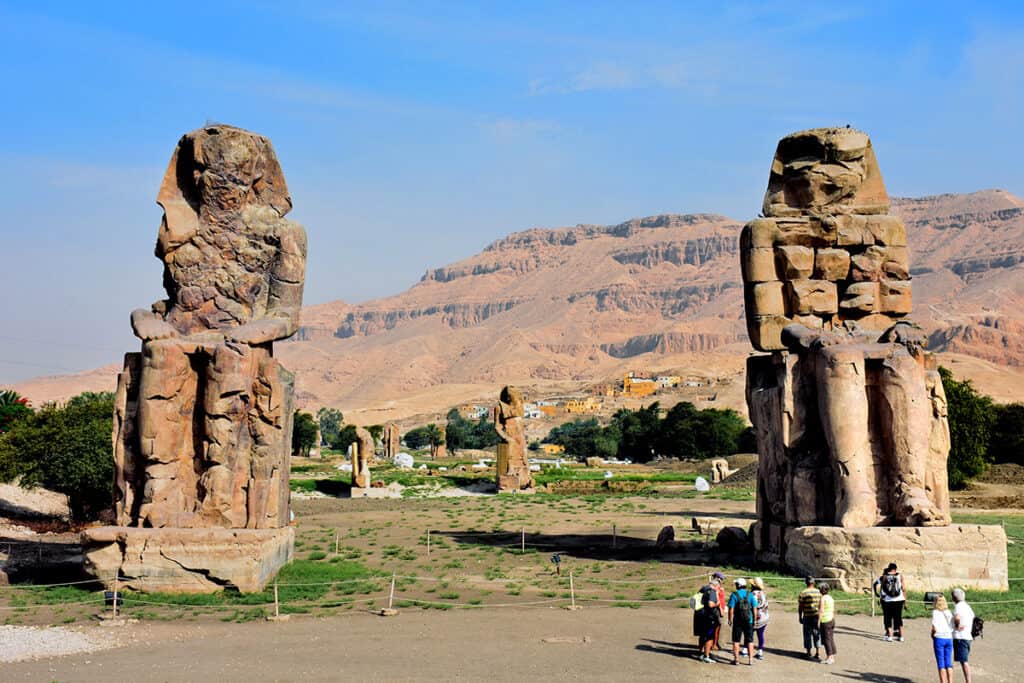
[512,464]
[203,417]
[362,454]
[848,407]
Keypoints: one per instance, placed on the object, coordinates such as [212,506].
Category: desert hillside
[554,309]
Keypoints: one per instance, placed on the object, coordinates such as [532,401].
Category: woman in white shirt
[942,639]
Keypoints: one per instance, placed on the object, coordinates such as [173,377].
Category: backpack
[743,612]
[891,585]
[978,628]
[697,601]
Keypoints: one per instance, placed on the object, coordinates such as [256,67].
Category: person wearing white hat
[742,615]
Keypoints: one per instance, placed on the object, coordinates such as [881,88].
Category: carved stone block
[831,264]
[860,297]
[795,262]
[812,296]
[894,297]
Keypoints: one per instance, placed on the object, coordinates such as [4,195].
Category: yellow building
[582,405]
[552,448]
[635,387]
[669,380]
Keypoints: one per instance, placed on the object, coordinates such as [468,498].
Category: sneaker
[888,639]
[735,662]
[830,660]
[901,639]
[759,655]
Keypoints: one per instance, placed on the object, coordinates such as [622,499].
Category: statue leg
[843,405]
[226,398]
[167,394]
[936,477]
[906,418]
[269,416]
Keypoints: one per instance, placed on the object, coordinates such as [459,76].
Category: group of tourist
[746,612]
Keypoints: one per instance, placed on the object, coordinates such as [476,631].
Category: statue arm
[287,278]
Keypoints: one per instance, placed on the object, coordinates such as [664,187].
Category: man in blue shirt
[742,615]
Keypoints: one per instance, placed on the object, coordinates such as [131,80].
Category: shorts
[943,652]
[961,650]
[746,631]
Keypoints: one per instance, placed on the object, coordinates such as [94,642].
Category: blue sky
[413,134]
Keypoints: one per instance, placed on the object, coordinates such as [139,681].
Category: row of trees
[981,432]
[641,435]
[334,433]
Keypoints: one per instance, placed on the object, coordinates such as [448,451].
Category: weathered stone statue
[720,470]
[512,463]
[848,407]
[392,441]
[203,417]
[362,453]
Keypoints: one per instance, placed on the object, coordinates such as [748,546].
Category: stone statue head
[514,398]
[825,171]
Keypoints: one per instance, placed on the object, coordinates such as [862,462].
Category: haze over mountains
[555,308]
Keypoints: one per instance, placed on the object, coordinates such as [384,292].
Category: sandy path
[501,645]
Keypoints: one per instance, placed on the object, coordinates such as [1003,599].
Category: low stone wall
[929,558]
[187,560]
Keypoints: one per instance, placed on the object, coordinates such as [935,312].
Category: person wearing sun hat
[742,615]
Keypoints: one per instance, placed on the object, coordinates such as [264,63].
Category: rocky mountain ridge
[588,302]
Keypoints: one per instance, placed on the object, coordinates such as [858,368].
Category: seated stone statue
[512,462]
[203,420]
[848,408]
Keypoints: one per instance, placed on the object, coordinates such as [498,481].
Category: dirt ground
[502,645]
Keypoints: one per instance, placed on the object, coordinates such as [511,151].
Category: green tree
[462,433]
[13,407]
[346,436]
[1007,442]
[417,438]
[66,449]
[640,431]
[376,431]
[971,417]
[434,437]
[331,421]
[586,439]
[303,434]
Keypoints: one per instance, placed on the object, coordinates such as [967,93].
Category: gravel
[19,643]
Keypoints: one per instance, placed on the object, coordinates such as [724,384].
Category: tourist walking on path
[742,615]
[827,623]
[889,587]
[807,613]
[710,619]
[963,636]
[942,639]
[762,613]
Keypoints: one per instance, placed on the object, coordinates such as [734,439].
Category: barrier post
[572,590]
[277,606]
[615,535]
[335,543]
[522,542]
[391,596]
[428,542]
[115,596]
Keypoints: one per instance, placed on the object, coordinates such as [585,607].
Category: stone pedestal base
[186,560]
[929,558]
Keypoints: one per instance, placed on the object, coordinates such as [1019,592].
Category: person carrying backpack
[889,587]
[709,619]
[964,631]
[742,615]
[761,623]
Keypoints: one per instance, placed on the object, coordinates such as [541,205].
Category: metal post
[335,542]
[428,542]
[522,542]
[572,591]
[391,597]
[277,606]
[115,596]
[615,535]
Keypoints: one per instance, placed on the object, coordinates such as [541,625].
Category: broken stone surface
[186,560]
[203,415]
[848,409]
[720,470]
[665,537]
[513,466]
[929,558]
[827,231]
